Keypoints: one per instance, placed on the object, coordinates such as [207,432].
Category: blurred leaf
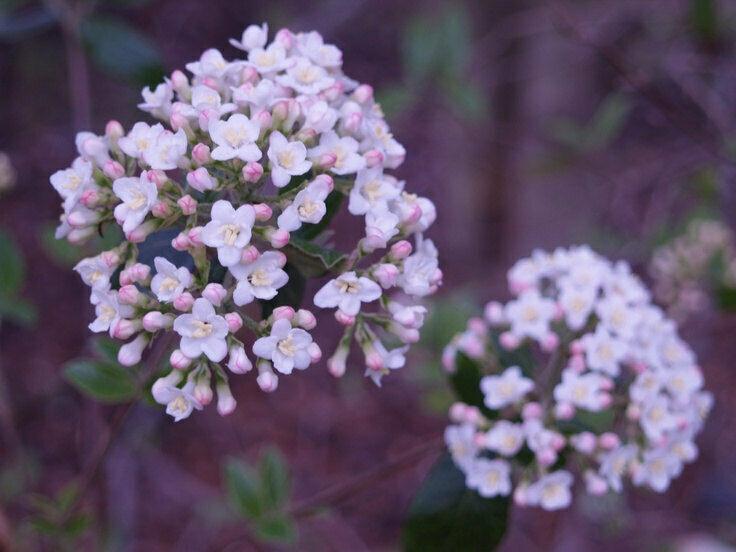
[421,49]
[11,266]
[704,19]
[120,50]
[291,294]
[465,380]
[394,99]
[275,482]
[726,297]
[446,516]
[23,25]
[60,251]
[242,485]
[466,99]
[311,231]
[103,381]
[17,310]
[608,120]
[276,529]
[107,348]
[312,259]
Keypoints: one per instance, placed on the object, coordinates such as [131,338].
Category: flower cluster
[692,269]
[579,369]
[242,175]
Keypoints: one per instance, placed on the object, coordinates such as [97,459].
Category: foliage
[12,275]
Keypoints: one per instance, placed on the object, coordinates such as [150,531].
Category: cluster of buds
[242,175]
[579,373]
[690,271]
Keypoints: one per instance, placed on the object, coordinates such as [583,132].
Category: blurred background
[529,123]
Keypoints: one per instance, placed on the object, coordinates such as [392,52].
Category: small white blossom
[253,37]
[308,206]
[551,491]
[345,150]
[371,191]
[505,438]
[420,269]
[347,292]
[108,310]
[461,443]
[229,231]
[70,183]
[286,347]
[305,77]
[169,281]
[235,139]
[260,279]
[202,332]
[138,195]
[286,158]
[490,477]
[505,389]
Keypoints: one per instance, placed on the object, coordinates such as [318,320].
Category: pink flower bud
[207,116]
[79,219]
[267,381]
[521,495]
[609,440]
[203,392]
[285,312]
[129,295]
[344,319]
[305,319]
[195,236]
[200,180]
[595,485]
[373,360]
[201,154]
[252,171]
[178,120]
[353,122]
[184,302]
[157,177]
[280,111]
[179,360]
[373,158]
[131,353]
[584,442]
[405,334]
[336,365]
[400,250]
[114,130]
[110,258]
[564,411]
[386,275]
[139,234]
[250,254]
[633,412]
[214,293]
[179,81]
[576,364]
[532,411]
[90,198]
[448,359]
[606,400]
[123,328]
[550,342]
[315,353]
[285,38]
[277,237]
[154,321]
[264,119]
[457,412]
[234,322]
[135,273]
[263,212]
[509,341]
[326,161]
[187,204]
[238,362]
[363,94]
[477,326]
[249,74]
[225,401]
[576,347]
[472,415]
[181,242]
[113,169]
[161,209]
[546,457]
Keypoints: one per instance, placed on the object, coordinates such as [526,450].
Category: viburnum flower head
[226,199]
[604,391]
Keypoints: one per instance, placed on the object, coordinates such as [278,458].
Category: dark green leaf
[276,529]
[704,19]
[447,516]
[60,251]
[465,380]
[242,485]
[158,244]
[727,299]
[103,381]
[11,266]
[312,259]
[274,479]
[311,231]
[289,295]
[17,310]
[121,50]
[107,348]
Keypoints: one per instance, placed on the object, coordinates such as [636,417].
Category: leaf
[447,516]
[312,260]
[291,294]
[101,380]
[106,348]
[17,310]
[311,231]
[275,482]
[61,252]
[465,380]
[242,485]
[727,299]
[704,19]
[608,120]
[11,266]
[276,529]
[121,50]
[158,244]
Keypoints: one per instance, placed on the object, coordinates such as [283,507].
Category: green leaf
[242,485]
[121,50]
[279,529]
[275,482]
[608,120]
[465,380]
[61,252]
[727,299]
[291,294]
[311,231]
[312,260]
[107,348]
[17,310]
[447,516]
[101,380]
[704,19]
[11,266]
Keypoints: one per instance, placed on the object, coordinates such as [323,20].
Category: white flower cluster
[690,270]
[607,386]
[250,154]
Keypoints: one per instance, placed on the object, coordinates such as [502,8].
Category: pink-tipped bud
[178,120]
[249,74]
[263,212]
[200,180]
[609,440]
[234,322]
[336,365]
[576,364]
[187,204]
[179,360]
[564,411]
[633,412]
[181,242]
[207,116]
[154,321]
[584,442]
[250,254]
[532,411]
[161,209]
[400,250]
[284,312]
[179,81]
[90,198]
[509,341]
[386,275]
[139,234]
[184,302]
[305,319]
[225,401]
[238,362]
[363,94]
[477,326]
[373,158]
[113,169]
[252,172]
[157,177]
[195,236]
[284,38]
[344,319]
[280,111]
[457,412]
[201,154]
[277,237]
[264,119]
[214,293]
[332,93]
[595,484]
[114,130]
[577,348]
[203,392]
[267,380]
[79,219]
[134,274]
[110,258]
[521,495]
[374,361]
[493,313]
[315,353]
[353,122]
[129,295]
[123,328]
[131,353]
[546,457]
[550,342]
[405,334]
[326,160]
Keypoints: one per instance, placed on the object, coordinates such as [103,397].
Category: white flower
[259,96]
[345,150]
[169,281]
[308,206]
[657,418]
[411,316]
[312,46]
[260,279]
[683,382]
[140,139]
[204,98]
[235,138]
[380,226]
[390,360]
[92,148]
[504,437]
[320,117]
[577,304]
[138,195]
[108,310]
[70,183]
[505,389]
[202,332]
[286,347]
[603,352]
[419,271]
[489,477]
[551,491]
[180,402]
[95,272]
[167,150]
[615,463]
[157,102]
[286,158]
[253,37]
[229,231]
[269,60]
[304,77]
[460,440]
[404,206]
[617,316]
[658,468]
[584,391]
[371,191]
[347,292]
[530,315]
[211,64]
